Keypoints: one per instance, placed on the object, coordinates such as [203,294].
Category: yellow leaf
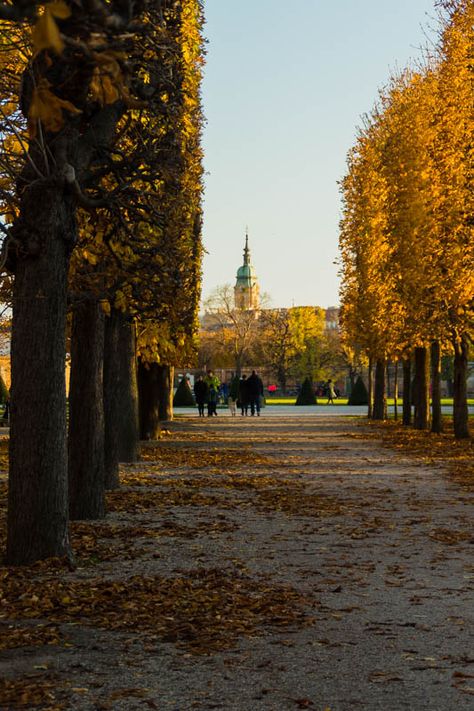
[105,306]
[59,9]
[46,32]
[48,108]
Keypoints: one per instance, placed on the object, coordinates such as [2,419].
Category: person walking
[212,382]
[331,392]
[243,395]
[255,391]
[200,393]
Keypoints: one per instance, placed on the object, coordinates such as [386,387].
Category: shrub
[183,396]
[359,394]
[306,395]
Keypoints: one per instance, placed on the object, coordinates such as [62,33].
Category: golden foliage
[45,34]
[407,243]
[48,108]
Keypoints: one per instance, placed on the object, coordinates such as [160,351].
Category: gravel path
[378,546]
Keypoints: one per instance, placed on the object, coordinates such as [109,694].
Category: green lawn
[343,401]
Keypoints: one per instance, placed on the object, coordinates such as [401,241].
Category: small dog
[232,406]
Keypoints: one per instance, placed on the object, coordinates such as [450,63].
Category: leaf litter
[201,611]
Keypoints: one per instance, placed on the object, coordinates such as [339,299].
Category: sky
[285,87]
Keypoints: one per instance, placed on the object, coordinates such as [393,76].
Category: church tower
[246,290]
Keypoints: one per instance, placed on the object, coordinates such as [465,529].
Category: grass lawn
[270,401]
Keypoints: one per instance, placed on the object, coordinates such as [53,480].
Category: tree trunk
[436,419]
[120,396]
[460,407]
[37,493]
[406,417]
[128,392]
[422,389]
[238,365]
[112,400]
[165,388]
[370,390]
[148,400]
[380,398]
[86,414]
[395,392]
[283,383]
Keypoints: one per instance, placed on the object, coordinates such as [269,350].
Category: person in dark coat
[200,393]
[213,384]
[255,391]
[243,395]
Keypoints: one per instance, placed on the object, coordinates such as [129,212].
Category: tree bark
[406,415]
[86,414]
[395,392]
[112,411]
[120,395]
[422,389]
[380,398]
[37,495]
[148,400]
[128,392]
[460,407]
[436,418]
[370,390]
[165,387]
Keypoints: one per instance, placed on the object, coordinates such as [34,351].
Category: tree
[234,330]
[290,339]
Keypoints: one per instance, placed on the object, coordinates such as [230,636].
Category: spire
[246,250]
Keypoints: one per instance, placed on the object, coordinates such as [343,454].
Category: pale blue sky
[284,89]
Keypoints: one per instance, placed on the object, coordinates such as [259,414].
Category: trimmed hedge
[359,394]
[183,396]
[306,395]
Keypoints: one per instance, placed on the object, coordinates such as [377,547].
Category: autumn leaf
[46,33]
[48,108]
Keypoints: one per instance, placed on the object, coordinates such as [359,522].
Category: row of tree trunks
[421,389]
[104,405]
[99,388]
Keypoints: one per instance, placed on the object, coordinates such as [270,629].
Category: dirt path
[328,573]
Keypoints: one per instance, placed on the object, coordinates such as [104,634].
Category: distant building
[247,290]
[332,318]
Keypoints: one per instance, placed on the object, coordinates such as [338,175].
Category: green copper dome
[246,274]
